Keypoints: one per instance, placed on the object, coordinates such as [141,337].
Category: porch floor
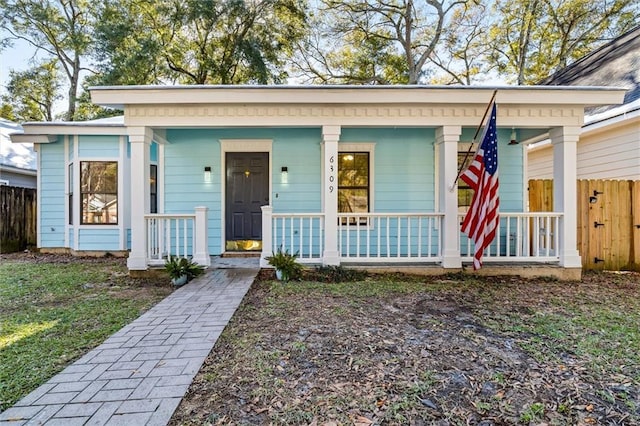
[139,375]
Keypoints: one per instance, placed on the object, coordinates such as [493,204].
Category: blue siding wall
[99,239]
[191,150]
[403,181]
[95,146]
[404,167]
[71,150]
[52,194]
[299,151]
[510,168]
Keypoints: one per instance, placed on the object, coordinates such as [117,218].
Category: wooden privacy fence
[17,218]
[608,220]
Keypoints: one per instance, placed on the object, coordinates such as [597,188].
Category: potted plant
[285,263]
[182,270]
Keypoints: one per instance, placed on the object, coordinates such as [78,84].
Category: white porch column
[564,141]
[267,235]
[330,137]
[447,138]
[140,140]
[201,238]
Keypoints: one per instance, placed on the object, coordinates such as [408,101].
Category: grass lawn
[400,350]
[53,309]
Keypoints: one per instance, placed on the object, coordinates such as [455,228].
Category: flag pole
[473,141]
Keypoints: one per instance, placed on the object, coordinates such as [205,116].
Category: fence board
[635,223]
[614,245]
[17,218]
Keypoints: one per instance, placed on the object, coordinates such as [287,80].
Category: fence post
[267,235]
[201,237]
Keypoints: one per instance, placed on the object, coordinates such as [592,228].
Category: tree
[6,112]
[60,28]
[380,42]
[32,93]
[198,41]
[534,38]
[461,55]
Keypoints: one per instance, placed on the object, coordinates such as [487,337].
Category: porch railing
[169,235]
[390,237]
[301,233]
[181,235]
[527,237]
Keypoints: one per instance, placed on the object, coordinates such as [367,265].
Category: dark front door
[247,190]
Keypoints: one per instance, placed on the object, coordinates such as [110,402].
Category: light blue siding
[98,146]
[191,150]
[71,150]
[99,239]
[153,152]
[299,151]
[71,237]
[186,156]
[404,167]
[52,194]
[510,169]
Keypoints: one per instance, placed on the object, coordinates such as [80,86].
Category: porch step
[241,254]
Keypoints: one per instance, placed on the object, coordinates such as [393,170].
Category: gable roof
[617,63]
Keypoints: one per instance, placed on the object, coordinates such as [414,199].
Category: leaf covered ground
[451,350]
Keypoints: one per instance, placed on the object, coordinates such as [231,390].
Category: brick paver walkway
[139,375]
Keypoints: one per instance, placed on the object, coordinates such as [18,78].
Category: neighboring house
[339,174]
[17,162]
[609,146]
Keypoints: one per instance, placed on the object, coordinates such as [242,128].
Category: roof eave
[120,96]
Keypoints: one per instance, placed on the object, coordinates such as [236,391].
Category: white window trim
[368,147]
[76,185]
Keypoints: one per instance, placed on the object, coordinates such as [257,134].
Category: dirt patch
[449,351]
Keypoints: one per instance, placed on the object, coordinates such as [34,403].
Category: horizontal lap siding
[96,147]
[404,167]
[186,156]
[540,164]
[611,155]
[299,151]
[511,173]
[52,194]
[93,239]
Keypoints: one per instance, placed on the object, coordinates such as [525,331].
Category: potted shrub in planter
[285,263]
[182,270]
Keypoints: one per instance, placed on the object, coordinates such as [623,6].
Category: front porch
[526,243]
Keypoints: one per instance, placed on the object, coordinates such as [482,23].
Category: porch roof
[120,96]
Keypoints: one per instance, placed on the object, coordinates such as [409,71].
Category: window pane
[99,176]
[353,182]
[353,200]
[99,208]
[153,190]
[99,192]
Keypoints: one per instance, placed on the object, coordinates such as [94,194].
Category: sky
[14,58]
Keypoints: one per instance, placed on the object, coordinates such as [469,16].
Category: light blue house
[339,174]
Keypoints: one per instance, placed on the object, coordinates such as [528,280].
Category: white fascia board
[47,132]
[119,96]
[32,138]
[625,118]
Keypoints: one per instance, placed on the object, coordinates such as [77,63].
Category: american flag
[482,219]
